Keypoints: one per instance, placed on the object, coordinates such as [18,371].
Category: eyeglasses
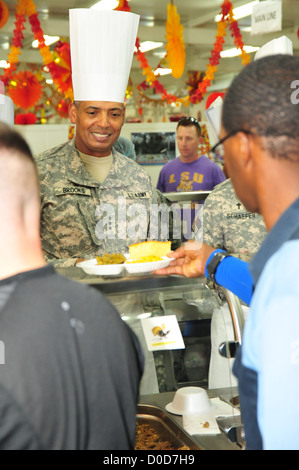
[230,134]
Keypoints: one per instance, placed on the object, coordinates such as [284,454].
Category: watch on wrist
[214,263]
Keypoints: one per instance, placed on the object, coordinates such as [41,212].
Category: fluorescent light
[5,45]
[3,64]
[147,21]
[105,5]
[240,12]
[160,71]
[150,45]
[48,40]
[160,54]
[235,52]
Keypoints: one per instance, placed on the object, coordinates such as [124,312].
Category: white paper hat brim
[102,47]
[96,87]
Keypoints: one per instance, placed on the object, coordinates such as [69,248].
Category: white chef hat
[102,47]
[282,45]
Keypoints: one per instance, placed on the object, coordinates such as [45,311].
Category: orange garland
[58,63]
[198,94]
[26,7]
[60,68]
[227,17]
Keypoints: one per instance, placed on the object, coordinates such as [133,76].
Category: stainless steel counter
[212,442]
[131,283]
[147,295]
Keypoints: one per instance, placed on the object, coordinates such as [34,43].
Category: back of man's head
[262,99]
[19,186]
[13,141]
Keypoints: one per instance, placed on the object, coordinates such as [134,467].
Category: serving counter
[231,436]
[143,296]
[192,302]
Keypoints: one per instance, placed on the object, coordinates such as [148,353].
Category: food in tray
[115,258]
[149,249]
[144,259]
[147,438]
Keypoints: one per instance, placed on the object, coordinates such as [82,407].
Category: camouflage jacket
[82,218]
[228,225]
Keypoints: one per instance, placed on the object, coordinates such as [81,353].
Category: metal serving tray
[165,427]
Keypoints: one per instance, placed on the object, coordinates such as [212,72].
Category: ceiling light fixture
[160,71]
[105,5]
[160,54]
[48,40]
[234,52]
[241,12]
[146,46]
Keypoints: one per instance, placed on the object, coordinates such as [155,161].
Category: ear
[72,111]
[244,143]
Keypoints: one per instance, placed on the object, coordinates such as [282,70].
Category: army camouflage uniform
[82,218]
[228,225]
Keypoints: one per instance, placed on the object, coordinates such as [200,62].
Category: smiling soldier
[87,174]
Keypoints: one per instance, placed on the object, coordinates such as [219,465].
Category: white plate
[134,268]
[172,410]
[91,267]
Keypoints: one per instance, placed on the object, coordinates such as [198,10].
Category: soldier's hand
[189,260]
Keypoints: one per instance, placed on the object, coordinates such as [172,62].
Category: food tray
[167,429]
[136,268]
[91,267]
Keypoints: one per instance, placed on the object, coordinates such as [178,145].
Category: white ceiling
[197,18]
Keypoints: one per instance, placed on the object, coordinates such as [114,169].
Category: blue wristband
[209,259]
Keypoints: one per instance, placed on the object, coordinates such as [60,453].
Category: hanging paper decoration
[175,45]
[204,146]
[25,118]
[151,80]
[60,68]
[226,17]
[24,89]
[212,97]
[123,6]
[4,14]
[62,108]
[58,63]
[196,94]
[194,78]
[25,7]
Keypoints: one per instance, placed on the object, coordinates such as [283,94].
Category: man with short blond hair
[60,383]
